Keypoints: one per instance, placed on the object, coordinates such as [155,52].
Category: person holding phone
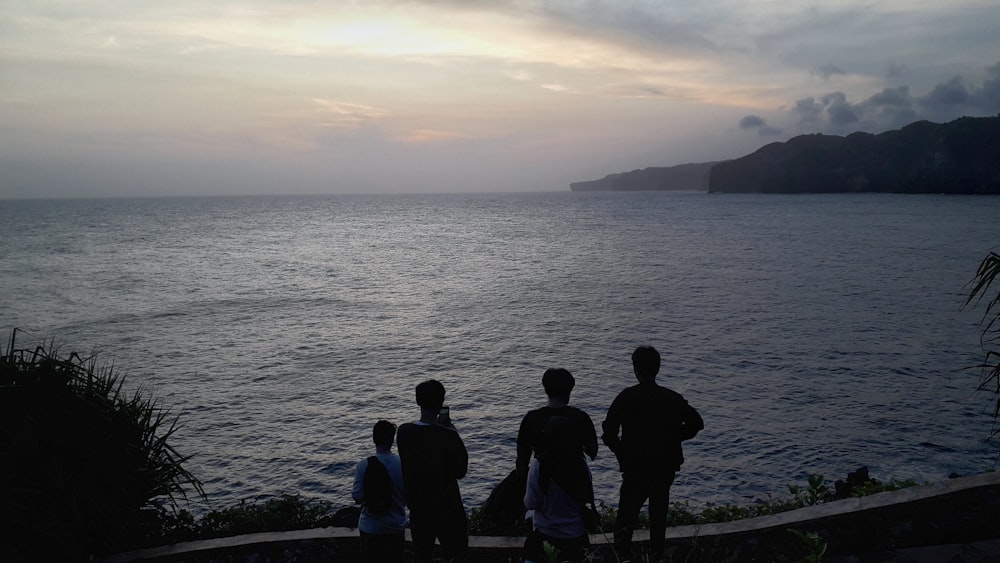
[434,458]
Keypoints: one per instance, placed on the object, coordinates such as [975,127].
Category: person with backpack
[558,490]
[378,487]
[505,506]
[558,384]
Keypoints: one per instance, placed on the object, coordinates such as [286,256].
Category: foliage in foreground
[987,272]
[85,468]
[293,512]
[279,514]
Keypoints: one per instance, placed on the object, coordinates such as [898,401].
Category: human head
[558,383]
[430,394]
[384,433]
[646,362]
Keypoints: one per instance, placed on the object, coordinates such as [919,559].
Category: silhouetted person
[434,459]
[559,485]
[558,383]
[382,533]
[653,421]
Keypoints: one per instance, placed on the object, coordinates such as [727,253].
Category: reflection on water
[813,333]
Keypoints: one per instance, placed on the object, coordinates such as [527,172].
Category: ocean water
[814,333]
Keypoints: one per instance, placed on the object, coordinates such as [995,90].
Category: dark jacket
[653,421]
[434,458]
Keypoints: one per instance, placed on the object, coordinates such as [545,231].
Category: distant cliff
[682,177]
[960,157]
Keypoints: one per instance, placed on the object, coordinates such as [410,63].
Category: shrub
[85,468]
[286,512]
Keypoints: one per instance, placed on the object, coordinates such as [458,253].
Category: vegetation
[814,493]
[981,284]
[293,512]
[85,468]
[283,513]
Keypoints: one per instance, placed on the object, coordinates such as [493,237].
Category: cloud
[757,122]
[838,109]
[751,122]
[988,96]
[896,106]
[344,114]
[427,136]
[892,106]
[808,109]
[895,70]
[957,96]
[828,70]
[893,97]
[950,93]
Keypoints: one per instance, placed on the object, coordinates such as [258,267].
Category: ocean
[814,333]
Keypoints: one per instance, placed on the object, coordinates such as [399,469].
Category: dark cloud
[988,96]
[808,109]
[894,97]
[892,106]
[760,124]
[895,107]
[828,70]
[751,122]
[838,109]
[957,97]
[951,93]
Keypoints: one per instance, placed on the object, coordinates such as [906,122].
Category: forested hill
[682,177]
[959,157]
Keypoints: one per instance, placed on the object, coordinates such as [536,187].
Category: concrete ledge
[961,510]
[841,507]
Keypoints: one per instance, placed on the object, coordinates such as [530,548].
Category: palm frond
[986,274]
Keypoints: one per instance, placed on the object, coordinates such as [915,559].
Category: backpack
[378,487]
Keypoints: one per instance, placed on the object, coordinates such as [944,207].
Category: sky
[154,98]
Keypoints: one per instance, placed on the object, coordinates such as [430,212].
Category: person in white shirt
[382,534]
[559,486]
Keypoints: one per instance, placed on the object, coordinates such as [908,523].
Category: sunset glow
[614,86]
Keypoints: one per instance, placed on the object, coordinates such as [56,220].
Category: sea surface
[814,333]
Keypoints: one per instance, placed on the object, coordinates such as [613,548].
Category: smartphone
[444,416]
